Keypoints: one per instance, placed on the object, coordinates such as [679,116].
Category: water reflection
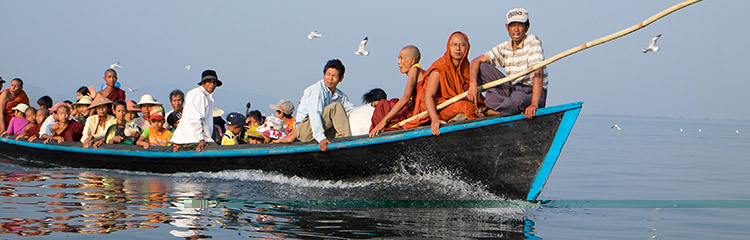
[37,203]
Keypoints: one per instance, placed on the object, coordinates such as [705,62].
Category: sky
[261,54]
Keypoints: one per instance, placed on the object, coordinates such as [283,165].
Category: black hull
[505,154]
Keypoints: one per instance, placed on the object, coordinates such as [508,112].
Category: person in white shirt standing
[322,112]
[197,122]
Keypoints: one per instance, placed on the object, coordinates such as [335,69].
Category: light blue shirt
[314,99]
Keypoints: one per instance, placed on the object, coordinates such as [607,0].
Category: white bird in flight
[115,65]
[132,89]
[652,45]
[187,67]
[314,34]
[362,51]
[700,130]
[616,127]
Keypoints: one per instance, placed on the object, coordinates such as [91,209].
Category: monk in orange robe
[9,98]
[446,78]
[389,112]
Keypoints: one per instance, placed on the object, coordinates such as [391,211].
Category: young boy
[389,112]
[235,125]
[32,129]
[65,130]
[118,132]
[155,135]
[18,123]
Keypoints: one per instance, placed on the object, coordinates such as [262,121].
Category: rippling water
[650,159]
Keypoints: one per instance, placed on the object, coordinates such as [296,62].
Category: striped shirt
[527,54]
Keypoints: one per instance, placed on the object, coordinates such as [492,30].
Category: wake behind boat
[511,156]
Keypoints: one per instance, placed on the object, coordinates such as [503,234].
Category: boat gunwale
[357,142]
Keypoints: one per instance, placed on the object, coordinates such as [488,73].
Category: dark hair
[19,80]
[45,101]
[374,95]
[118,103]
[66,101]
[176,92]
[83,90]
[257,116]
[336,64]
[44,110]
[110,70]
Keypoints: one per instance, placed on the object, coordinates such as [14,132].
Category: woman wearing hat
[96,126]
[81,109]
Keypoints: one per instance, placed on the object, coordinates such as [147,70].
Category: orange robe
[384,107]
[453,81]
[10,104]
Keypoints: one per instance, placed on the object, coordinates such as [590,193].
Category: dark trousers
[507,99]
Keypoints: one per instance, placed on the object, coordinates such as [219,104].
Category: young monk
[118,133]
[96,126]
[18,123]
[111,91]
[156,134]
[65,130]
[35,123]
[447,77]
[389,112]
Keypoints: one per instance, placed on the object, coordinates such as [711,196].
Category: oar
[562,55]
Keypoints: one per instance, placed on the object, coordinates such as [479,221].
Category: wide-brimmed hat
[99,100]
[210,75]
[21,107]
[85,100]
[284,106]
[218,112]
[272,128]
[132,106]
[148,99]
[156,114]
[252,131]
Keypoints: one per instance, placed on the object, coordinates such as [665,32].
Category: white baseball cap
[21,107]
[518,15]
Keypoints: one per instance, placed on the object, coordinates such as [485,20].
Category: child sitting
[235,124]
[252,136]
[65,130]
[17,124]
[81,109]
[32,129]
[272,129]
[121,131]
[156,134]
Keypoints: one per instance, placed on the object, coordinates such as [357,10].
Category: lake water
[651,180]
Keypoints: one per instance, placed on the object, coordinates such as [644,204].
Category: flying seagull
[115,65]
[616,127]
[362,51]
[652,45]
[132,89]
[314,34]
[187,67]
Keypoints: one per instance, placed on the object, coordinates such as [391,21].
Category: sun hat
[252,131]
[518,15]
[283,106]
[217,112]
[98,101]
[54,108]
[132,106]
[210,75]
[156,114]
[21,107]
[148,99]
[236,118]
[272,128]
[85,100]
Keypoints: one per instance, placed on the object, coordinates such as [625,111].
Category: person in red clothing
[111,91]
[65,130]
[9,98]
[389,112]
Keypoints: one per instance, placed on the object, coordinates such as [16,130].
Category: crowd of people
[324,112]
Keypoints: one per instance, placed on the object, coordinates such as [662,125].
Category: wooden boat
[511,156]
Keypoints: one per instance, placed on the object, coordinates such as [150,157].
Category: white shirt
[314,99]
[197,121]
[360,120]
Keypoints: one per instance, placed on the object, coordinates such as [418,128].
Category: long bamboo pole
[562,55]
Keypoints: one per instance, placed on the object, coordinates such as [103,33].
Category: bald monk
[110,91]
[389,112]
[9,98]
[447,77]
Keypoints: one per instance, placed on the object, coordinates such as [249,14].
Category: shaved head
[412,51]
